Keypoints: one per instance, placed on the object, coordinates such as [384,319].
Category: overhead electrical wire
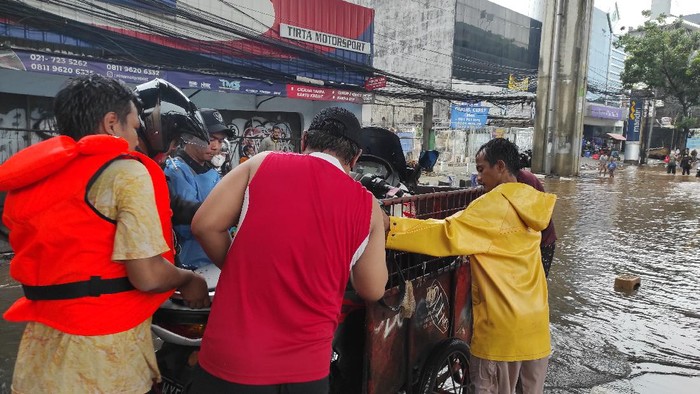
[190,17]
[210,60]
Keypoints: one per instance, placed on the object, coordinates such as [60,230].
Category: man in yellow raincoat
[500,231]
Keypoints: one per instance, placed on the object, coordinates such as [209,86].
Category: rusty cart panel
[400,340]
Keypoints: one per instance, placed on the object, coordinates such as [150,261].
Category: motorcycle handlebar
[379,187]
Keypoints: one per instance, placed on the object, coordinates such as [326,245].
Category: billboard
[634,118]
[605,112]
[73,66]
[287,37]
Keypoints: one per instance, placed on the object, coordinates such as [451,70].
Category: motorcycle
[179,331]
[383,170]
[382,167]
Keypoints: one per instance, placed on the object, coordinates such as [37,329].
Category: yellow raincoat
[501,232]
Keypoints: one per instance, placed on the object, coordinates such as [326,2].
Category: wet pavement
[643,222]
[646,223]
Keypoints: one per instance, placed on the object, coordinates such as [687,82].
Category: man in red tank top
[277,302]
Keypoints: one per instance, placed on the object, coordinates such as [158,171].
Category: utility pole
[427,124]
[647,128]
[561,89]
[642,119]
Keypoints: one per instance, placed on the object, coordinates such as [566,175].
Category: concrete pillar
[561,89]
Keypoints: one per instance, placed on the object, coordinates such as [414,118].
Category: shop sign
[169,23]
[375,83]
[325,39]
[304,92]
[466,115]
[605,112]
[224,84]
[73,67]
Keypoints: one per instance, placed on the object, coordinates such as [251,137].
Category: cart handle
[402,296]
[402,290]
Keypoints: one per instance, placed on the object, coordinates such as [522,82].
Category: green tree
[664,57]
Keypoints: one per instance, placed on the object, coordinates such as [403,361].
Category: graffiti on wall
[255,129]
[251,127]
[24,120]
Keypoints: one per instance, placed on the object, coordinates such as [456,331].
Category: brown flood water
[643,222]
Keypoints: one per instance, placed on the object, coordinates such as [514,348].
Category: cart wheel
[447,369]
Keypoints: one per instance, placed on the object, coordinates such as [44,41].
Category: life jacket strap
[93,287]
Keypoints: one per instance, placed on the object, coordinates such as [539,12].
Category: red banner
[305,92]
[375,83]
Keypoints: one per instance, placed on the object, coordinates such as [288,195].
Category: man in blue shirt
[191,176]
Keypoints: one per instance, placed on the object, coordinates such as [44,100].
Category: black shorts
[205,383]
[547,256]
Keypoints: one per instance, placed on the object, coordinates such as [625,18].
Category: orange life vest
[60,239]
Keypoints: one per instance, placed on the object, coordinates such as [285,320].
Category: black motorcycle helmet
[166,113]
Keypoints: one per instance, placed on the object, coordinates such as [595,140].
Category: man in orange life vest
[89,222]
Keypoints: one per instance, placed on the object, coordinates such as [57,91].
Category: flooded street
[643,222]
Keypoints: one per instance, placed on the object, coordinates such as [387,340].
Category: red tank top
[281,288]
[59,238]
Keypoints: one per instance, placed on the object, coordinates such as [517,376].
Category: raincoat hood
[533,207]
[40,160]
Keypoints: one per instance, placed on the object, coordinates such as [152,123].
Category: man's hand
[195,292]
[157,275]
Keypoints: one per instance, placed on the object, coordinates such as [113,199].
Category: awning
[618,137]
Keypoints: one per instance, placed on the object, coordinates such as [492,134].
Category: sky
[631,10]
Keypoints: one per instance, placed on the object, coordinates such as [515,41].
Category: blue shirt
[191,182]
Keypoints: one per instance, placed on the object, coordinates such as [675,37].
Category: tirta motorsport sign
[326,39]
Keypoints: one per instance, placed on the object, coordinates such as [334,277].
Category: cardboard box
[627,282]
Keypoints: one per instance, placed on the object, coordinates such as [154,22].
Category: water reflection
[643,222]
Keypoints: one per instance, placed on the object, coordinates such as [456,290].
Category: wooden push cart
[415,340]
